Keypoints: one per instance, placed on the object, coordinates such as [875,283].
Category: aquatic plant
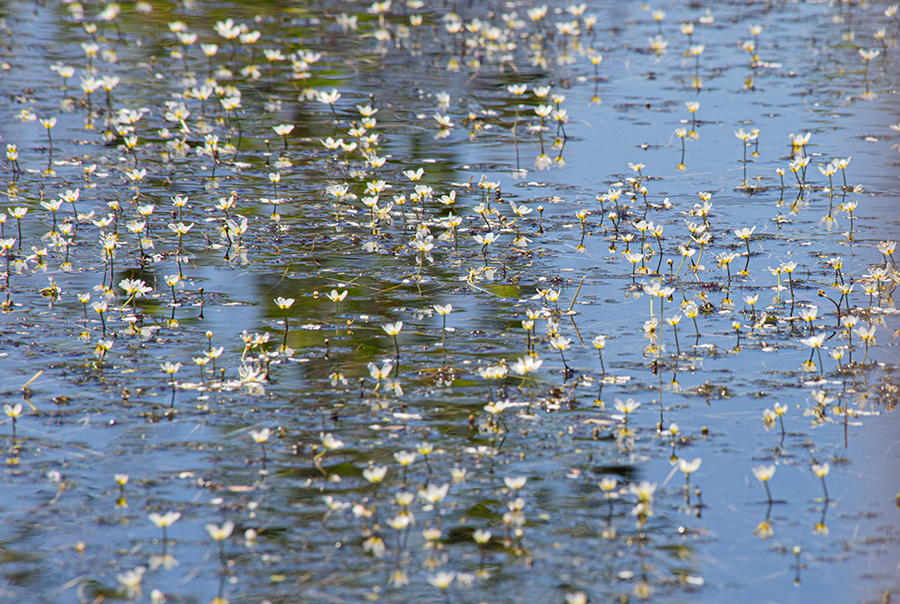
[398,174]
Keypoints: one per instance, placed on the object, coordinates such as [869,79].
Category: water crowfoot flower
[283,130]
[260,437]
[392,329]
[634,258]
[65,72]
[764,474]
[688,467]
[746,139]
[180,229]
[337,297]
[674,321]
[867,56]
[100,309]
[626,407]
[135,288]
[867,335]
[12,156]
[724,260]
[49,125]
[661,292]
[284,304]
[13,412]
[6,246]
[695,50]
[424,449]
[577,597]
[481,538]
[329,443]
[887,249]
[644,507]
[329,98]
[821,470]
[525,365]
[561,344]
[18,213]
[751,300]
[842,164]
[658,16]
[130,582]
[220,534]
[171,369]
[608,486]
[681,133]
[379,374]
[789,268]
[164,521]
[375,475]
[121,481]
[599,343]
[405,459]
[798,168]
[442,581]
[517,90]
[485,240]
[491,373]
[443,310]
[814,342]
[780,410]
[275,178]
[744,235]
[691,310]
[514,484]
[103,347]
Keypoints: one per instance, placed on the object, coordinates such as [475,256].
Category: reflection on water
[615,327]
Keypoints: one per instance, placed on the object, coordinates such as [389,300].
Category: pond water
[267,288]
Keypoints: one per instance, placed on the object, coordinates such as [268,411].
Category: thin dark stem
[397,347]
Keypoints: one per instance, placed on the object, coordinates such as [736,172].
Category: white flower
[629,406]
[821,470]
[130,582]
[515,483]
[442,580]
[392,329]
[135,287]
[164,520]
[261,436]
[375,474]
[689,467]
[433,493]
[526,365]
[330,442]
[764,473]
[220,533]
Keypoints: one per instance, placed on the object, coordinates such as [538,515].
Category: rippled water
[310,523]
